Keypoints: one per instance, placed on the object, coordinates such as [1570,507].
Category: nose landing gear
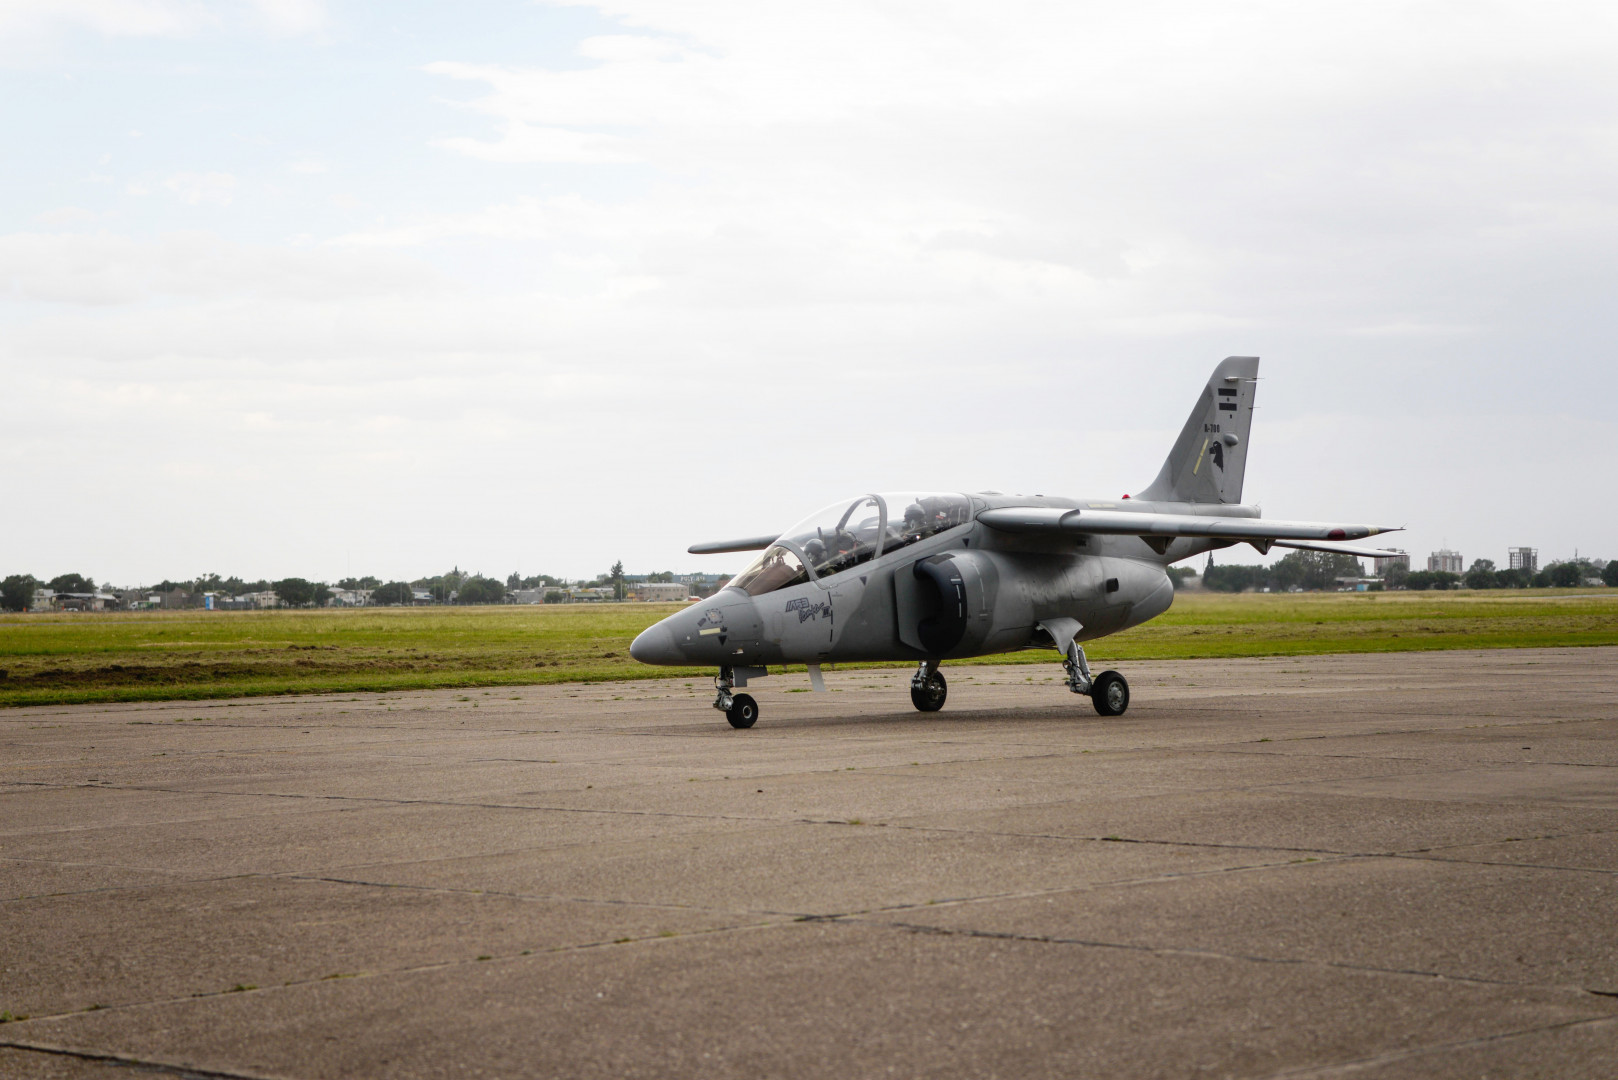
[928,688]
[740,709]
[1108,692]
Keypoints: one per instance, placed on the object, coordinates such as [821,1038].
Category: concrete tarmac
[1371,866]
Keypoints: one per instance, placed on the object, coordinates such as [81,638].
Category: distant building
[86,601]
[1445,560]
[589,594]
[702,584]
[1524,558]
[421,596]
[659,592]
[528,596]
[350,598]
[265,599]
[1382,566]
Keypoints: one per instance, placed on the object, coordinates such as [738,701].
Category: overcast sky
[301,288]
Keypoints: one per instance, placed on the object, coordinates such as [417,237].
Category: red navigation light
[1126,496]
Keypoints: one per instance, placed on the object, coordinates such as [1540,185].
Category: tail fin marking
[1209,458]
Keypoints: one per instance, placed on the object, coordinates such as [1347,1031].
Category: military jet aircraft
[935,576]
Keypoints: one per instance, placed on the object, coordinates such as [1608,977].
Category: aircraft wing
[750,543]
[1262,533]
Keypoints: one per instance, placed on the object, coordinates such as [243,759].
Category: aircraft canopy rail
[847,534]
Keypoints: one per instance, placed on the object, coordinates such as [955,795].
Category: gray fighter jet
[934,576]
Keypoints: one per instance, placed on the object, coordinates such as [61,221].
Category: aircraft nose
[655,645]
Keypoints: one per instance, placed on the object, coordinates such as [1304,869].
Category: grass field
[47,659]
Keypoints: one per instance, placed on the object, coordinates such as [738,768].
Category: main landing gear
[928,688]
[740,709]
[1108,692]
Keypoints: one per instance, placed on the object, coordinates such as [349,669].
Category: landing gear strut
[1108,692]
[1078,669]
[928,688]
[740,709]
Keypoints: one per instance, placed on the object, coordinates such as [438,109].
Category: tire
[930,698]
[743,712]
[1110,694]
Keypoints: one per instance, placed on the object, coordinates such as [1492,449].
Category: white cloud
[66,215]
[307,167]
[291,16]
[1163,167]
[96,269]
[524,142]
[215,188]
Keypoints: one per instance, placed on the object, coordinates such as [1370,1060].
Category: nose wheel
[1108,692]
[928,688]
[740,709]
[743,711]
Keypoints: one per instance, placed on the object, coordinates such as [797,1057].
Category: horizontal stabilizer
[751,543]
[1124,523]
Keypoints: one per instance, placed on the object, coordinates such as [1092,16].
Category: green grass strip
[192,655]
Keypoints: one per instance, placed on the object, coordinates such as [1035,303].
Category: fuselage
[963,590]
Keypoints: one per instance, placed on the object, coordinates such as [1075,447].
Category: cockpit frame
[824,546]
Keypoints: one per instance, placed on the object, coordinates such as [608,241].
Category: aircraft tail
[1210,456]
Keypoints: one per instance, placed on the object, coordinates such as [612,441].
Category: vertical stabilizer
[1210,456]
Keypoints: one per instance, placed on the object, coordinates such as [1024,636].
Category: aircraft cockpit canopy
[849,533]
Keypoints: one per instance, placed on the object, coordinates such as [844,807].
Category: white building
[1445,560]
[1523,558]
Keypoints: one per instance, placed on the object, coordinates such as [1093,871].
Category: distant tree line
[1482,574]
[1320,570]
[17,591]
[1300,569]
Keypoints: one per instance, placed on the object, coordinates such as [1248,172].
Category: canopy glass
[850,533]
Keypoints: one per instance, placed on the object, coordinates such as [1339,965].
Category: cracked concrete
[1369,866]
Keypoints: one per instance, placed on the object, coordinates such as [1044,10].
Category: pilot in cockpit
[842,552]
[915,522]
